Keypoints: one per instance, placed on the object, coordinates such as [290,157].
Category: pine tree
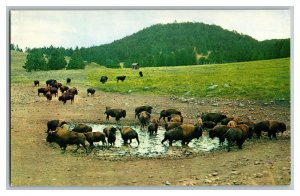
[57,60]
[35,61]
[76,61]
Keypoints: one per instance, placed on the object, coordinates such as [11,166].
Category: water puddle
[150,146]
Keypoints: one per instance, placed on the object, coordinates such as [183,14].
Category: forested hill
[184,44]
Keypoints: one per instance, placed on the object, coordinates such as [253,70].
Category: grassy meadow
[256,80]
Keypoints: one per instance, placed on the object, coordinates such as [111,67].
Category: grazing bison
[175,118]
[172,125]
[146,108]
[219,132]
[215,117]
[122,78]
[73,90]
[110,133]
[36,83]
[90,91]
[56,85]
[128,133]
[168,112]
[237,135]
[152,128]
[53,124]
[53,90]
[92,137]
[184,132]
[140,74]
[82,128]
[42,90]
[64,137]
[51,82]
[63,89]
[247,130]
[103,79]
[270,126]
[209,124]
[49,96]
[66,96]
[144,119]
[68,80]
[117,113]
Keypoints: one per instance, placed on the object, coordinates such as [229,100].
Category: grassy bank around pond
[264,80]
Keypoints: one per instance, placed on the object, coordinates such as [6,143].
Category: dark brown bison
[53,124]
[110,133]
[49,96]
[175,118]
[226,120]
[90,91]
[128,133]
[73,90]
[184,132]
[66,96]
[144,119]
[82,128]
[51,82]
[53,90]
[36,83]
[103,79]
[168,112]
[92,137]
[122,78]
[68,80]
[270,126]
[152,128]
[146,108]
[117,113]
[63,89]
[64,137]
[237,135]
[42,90]
[219,132]
[215,117]
[140,74]
[247,130]
[209,124]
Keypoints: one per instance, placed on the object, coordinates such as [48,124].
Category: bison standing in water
[185,133]
[129,133]
[110,133]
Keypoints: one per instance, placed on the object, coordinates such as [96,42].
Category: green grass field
[256,80]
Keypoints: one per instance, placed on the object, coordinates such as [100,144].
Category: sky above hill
[85,28]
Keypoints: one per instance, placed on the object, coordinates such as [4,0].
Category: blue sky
[71,28]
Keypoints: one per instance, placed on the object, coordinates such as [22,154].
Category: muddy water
[150,146]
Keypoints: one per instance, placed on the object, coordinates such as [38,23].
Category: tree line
[172,44]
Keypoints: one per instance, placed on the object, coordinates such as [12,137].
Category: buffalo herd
[233,129]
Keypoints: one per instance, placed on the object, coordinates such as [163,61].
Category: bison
[184,132]
[51,82]
[140,74]
[175,118]
[209,124]
[117,113]
[270,126]
[82,128]
[73,90]
[53,90]
[63,89]
[42,90]
[53,124]
[128,133]
[90,91]
[66,96]
[146,108]
[36,83]
[168,112]
[152,128]
[237,135]
[110,133]
[219,132]
[68,80]
[144,119]
[92,137]
[64,137]
[103,79]
[172,125]
[215,117]
[122,78]
[49,96]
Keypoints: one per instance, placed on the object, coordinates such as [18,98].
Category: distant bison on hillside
[122,78]
[103,79]
[68,80]
[36,83]
[90,91]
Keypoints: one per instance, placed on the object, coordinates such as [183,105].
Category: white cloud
[71,28]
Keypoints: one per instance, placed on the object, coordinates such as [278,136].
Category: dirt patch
[34,162]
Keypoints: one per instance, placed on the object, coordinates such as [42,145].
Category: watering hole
[150,146]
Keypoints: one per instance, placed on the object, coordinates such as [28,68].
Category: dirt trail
[37,163]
